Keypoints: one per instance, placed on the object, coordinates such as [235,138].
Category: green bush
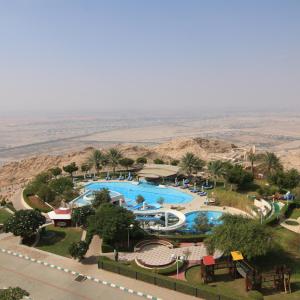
[255,295]
[185,238]
[106,248]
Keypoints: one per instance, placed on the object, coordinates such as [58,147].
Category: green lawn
[4,215]
[57,240]
[295,213]
[235,199]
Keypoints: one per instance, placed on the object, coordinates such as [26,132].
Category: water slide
[157,213]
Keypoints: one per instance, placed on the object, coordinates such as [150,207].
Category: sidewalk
[89,268]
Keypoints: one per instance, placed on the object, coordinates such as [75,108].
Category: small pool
[150,192]
[212,216]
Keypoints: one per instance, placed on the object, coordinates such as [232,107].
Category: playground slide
[163,212]
[243,268]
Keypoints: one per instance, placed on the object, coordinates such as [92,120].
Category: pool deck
[196,204]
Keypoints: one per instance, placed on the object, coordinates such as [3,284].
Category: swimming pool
[212,216]
[150,192]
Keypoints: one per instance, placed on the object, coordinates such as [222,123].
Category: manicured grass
[235,199]
[223,283]
[295,213]
[57,240]
[4,215]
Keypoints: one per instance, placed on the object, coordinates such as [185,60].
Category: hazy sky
[105,55]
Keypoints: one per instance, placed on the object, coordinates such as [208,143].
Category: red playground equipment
[237,266]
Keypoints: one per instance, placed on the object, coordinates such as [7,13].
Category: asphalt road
[50,284]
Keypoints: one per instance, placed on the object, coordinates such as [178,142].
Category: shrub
[79,249]
[158,161]
[141,160]
[106,248]
[255,295]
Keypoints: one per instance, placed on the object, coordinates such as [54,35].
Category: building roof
[237,255]
[156,171]
[60,214]
[208,260]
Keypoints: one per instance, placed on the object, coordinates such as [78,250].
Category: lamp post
[128,229]
[178,258]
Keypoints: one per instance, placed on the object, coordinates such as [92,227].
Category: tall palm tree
[271,162]
[216,169]
[113,158]
[191,163]
[252,158]
[96,159]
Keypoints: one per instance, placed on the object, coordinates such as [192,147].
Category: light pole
[128,229]
[178,258]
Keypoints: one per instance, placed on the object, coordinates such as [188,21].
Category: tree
[175,162]
[160,200]
[111,223]
[158,161]
[60,185]
[191,163]
[80,215]
[71,168]
[97,159]
[55,171]
[45,193]
[236,175]
[13,293]
[252,158]
[24,223]
[114,156]
[285,180]
[271,163]
[141,160]
[101,197]
[201,223]
[126,162]
[78,249]
[240,233]
[139,199]
[85,168]
[216,169]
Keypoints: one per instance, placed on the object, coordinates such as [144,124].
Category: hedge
[203,291]
[187,238]
[106,248]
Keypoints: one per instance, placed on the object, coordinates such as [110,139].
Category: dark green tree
[97,159]
[78,249]
[111,222]
[13,293]
[80,215]
[45,193]
[216,169]
[85,168]
[158,161]
[240,233]
[271,163]
[101,197]
[191,163]
[60,185]
[56,171]
[114,156]
[139,199]
[202,223]
[24,223]
[71,168]
[141,160]
[175,162]
[236,175]
[285,180]
[126,162]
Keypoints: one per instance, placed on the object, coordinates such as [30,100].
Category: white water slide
[163,212]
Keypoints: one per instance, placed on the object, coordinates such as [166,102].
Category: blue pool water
[213,218]
[150,192]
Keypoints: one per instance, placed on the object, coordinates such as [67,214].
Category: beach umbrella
[176,180]
[202,188]
[195,185]
[129,174]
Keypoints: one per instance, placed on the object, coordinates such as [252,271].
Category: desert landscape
[28,148]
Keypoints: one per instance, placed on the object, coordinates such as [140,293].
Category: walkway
[160,254]
[294,228]
[12,243]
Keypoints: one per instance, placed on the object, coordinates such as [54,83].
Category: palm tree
[191,163]
[252,158]
[271,162]
[113,158]
[216,169]
[96,159]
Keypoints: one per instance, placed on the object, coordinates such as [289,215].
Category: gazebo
[61,217]
[154,172]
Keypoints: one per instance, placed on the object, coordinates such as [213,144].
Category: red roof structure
[208,260]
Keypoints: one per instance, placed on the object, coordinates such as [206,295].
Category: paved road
[50,284]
